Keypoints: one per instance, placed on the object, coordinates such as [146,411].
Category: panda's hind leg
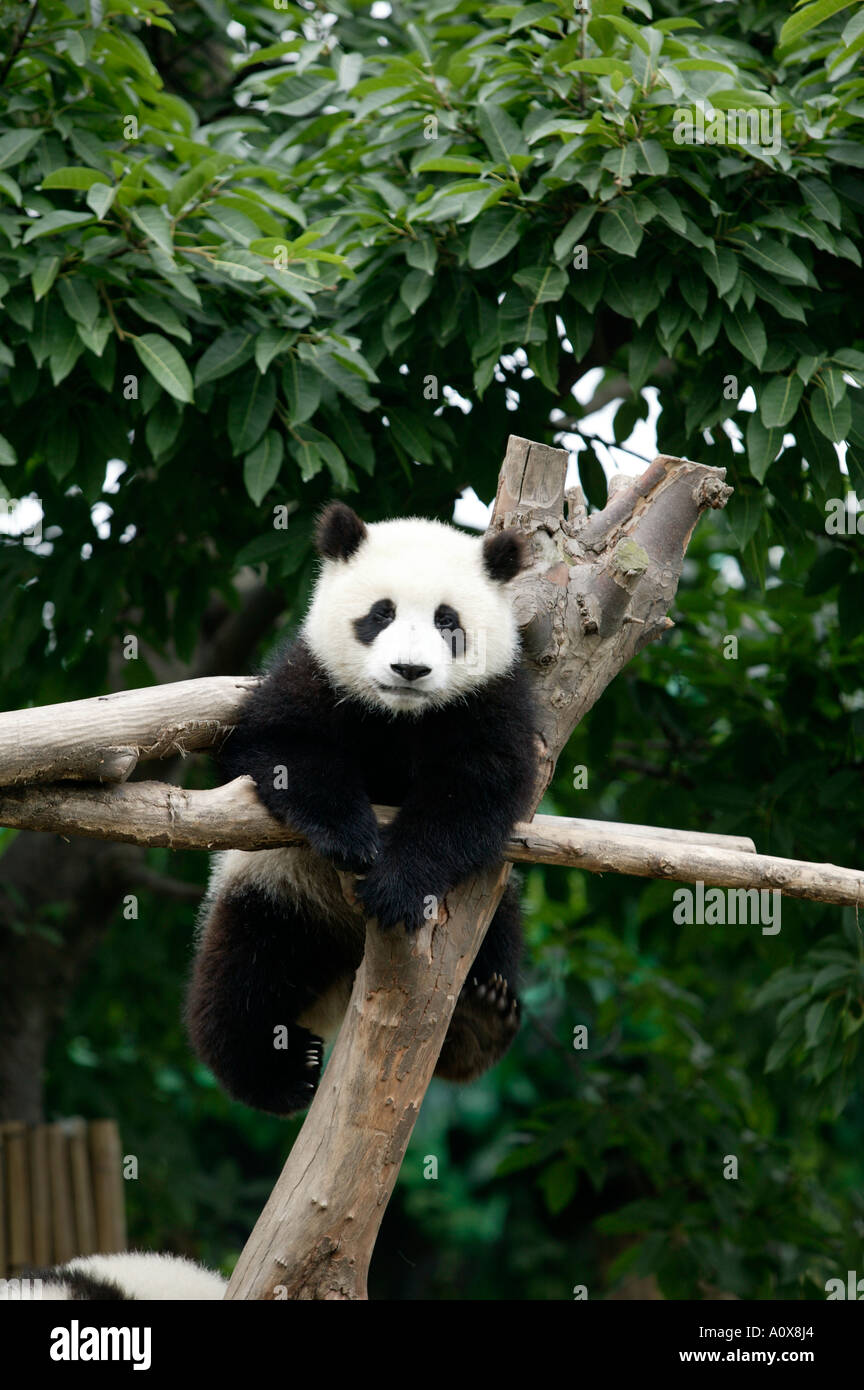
[486,1018]
[260,965]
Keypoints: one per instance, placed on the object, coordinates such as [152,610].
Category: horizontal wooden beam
[232,817]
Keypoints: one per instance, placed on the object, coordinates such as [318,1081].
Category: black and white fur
[132,1275]
[404,688]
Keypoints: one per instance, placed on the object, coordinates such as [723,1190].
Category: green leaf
[592,476]
[352,438]
[422,254]
[8,457]
[156,310]
[99,198]
[261,466]
[651,158]
[302,387]
[745,510]
[73,177]
[834,421]
[850,607]
[190,184]
[64,357]
[821,197]
[807,18]
[779,400]
[165,365]
[493,235]
[621,162]
[302,93]
[43,275]
[155,225]
[746,332]
[411,433]
[229,351]
[252,403]
[721,266]
[163,426]
[619,229]
[558,1183]
[80,300]
[450,164]
[566,240]
[762,447]
[11,189]
[544,283]
[270,343]
[776,258]
[788,1037]
[17,145]
[306,451]
[499,132]
[415,289]
[52,222]
[61,449]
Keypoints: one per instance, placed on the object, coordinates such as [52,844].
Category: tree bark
[599,590]
[232,817]
[103,739]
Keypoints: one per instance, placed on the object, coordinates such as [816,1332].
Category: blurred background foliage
[254,256]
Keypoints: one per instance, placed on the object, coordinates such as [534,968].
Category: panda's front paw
[352,847]
[391,897]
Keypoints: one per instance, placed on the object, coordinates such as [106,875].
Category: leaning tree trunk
[599,590]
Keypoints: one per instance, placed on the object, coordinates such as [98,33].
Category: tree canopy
[255,256]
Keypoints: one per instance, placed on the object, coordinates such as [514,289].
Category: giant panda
[403,688]
[132,1275]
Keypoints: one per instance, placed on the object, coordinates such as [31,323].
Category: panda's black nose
[410,673]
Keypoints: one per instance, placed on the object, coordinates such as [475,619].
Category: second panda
[404,688]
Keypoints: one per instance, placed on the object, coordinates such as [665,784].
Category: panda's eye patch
[382,612]
[446,618]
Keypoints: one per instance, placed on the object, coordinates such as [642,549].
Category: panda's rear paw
[484,1024]
[495,994]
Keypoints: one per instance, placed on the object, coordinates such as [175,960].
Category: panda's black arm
[304,774]
[456,818]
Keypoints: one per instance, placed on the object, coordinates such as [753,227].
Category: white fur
[140,1275]
[418,565]
[297,873]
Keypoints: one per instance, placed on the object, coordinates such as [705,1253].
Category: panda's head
[409,615]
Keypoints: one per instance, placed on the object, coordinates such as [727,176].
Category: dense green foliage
[264,255]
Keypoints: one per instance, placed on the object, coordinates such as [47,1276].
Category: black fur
[82,1287]
[504,555]
[367,628]
[461,774]
[339,532]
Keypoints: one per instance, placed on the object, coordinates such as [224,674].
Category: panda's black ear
[339,532]
[504,555]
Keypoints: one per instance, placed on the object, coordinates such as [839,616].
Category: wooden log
[104,738]
[4,1216]
[82,1186]
[62,1218]
[603,602]
[40,1195]
[109,1197]
[20,1252]
[155,813]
